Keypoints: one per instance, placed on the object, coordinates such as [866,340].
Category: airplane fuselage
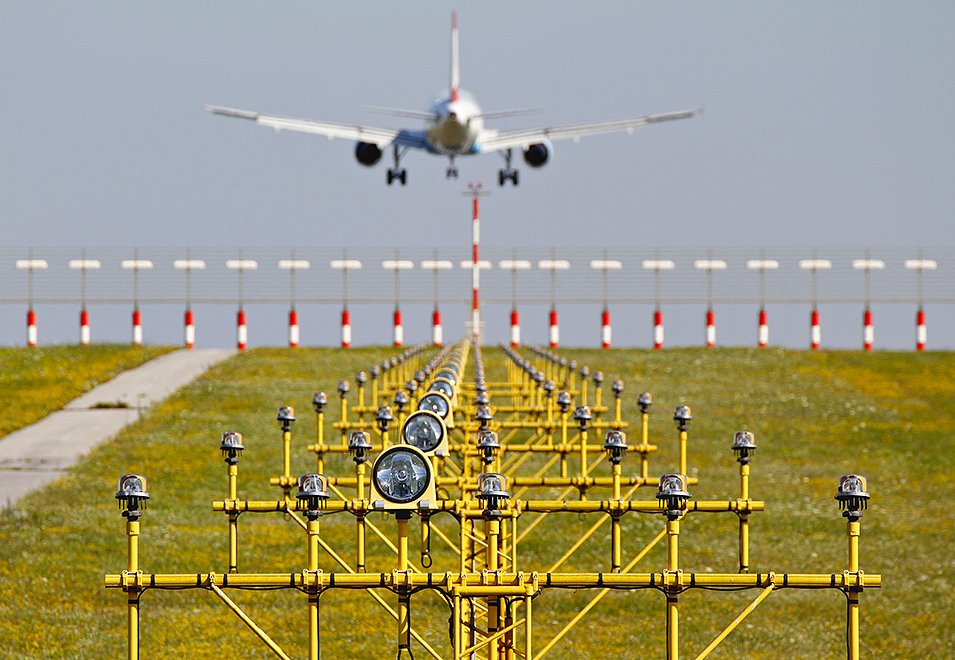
[456,127]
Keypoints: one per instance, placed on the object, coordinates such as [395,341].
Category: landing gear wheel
[503,176]
[403,177]
[400,175]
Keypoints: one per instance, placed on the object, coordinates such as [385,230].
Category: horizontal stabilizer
[397,112]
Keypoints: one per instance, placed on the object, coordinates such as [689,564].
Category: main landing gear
[396,172]
[507,173]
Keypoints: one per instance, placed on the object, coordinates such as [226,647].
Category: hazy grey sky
[825,124]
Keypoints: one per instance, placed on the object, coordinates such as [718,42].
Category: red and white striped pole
[437,332]
[710,327]
[137,327]
[399,336]
[515,328]
[868,331]
[31,328]
[292,328]
[84,327]
[657,328]
[346,328]
[242,332]
[190,329]
[920,332]
[605,331]
[554,329]
[475,192]
[815,334]
[763,336]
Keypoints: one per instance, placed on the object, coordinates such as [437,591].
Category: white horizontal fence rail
[306,276]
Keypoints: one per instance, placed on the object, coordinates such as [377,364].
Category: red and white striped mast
[514,265]
[553,265]
[241,329]
[762,265]
[656,265]
[345,264]
[188,264]
[30,264]
[867,265]
[398,338]
[920,264]
[136,264]
[83,264]
[709,265]
[475,193]
[437,330]
[291,265]
[814,265]
[605,329]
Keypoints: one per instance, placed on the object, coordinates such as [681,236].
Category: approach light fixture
[231,446]
[359,445]
[313,491]
[343,388]
[319,401]
[383,417]
[492,490]
[583,416]
[564,401]
[489,445]
[132,495]
[672,492]
[682,416]
[401,479]
[617,388]
[442,385]
[285,417]
[361,378]
[401,400]
[852,496]
[644,400]
[425,430]
[616,445]
[485,416]
[436,402]
[744,446]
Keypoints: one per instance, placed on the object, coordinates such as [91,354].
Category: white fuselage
[457,126]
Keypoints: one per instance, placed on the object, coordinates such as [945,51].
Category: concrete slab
[34,456]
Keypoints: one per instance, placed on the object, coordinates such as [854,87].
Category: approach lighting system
[359,445]
[852,495]
[319,401]
[402,480]
[132,495]
[313,491]
[616,445]
[672,492]
[744,446]
[231,446]
[492,490]
[426,431]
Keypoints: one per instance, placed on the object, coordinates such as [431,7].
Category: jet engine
[536,155]
[368,153]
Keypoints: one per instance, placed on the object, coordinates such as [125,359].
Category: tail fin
[455,70]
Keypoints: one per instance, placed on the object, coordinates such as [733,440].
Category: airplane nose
[453,116]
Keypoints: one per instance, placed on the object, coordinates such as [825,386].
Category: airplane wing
[382,137]
[497,141]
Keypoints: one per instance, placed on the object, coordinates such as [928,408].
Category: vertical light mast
[475,192]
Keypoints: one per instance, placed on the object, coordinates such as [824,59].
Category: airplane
[454,127]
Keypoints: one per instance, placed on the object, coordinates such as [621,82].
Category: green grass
[37,381]
[815,416]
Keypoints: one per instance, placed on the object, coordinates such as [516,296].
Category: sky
[824,125]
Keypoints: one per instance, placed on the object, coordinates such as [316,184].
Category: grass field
[36,381]
[815,415]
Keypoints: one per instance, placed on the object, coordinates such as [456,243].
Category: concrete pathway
[36,455]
